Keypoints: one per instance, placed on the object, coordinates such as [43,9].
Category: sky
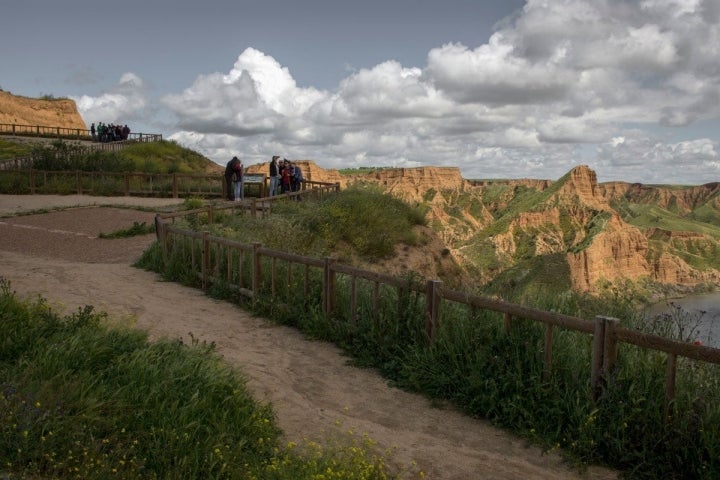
[497,88]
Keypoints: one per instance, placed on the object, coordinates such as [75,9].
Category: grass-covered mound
[152,157]
[361,221]
[80,399]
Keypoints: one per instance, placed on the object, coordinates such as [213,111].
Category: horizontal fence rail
[175,185]
[66,133]
[240,266]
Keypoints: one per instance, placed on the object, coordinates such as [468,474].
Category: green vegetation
[165,157]
[651,216]
[136,229]
[81,399]
[360,170]
[360,221]
[531,280]
[152,157]
[595,226]
[10,149]
[490,373]
[143,169]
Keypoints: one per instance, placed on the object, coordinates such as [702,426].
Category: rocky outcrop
[411,184]
[618,252]
[40,112]
[580,186]
[680,199]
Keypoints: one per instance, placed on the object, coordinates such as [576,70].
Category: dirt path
[314,392]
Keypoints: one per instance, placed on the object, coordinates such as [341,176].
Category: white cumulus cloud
[564,82]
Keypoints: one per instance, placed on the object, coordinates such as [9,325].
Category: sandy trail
[314,392]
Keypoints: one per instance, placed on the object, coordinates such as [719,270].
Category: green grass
[152,157]
[651,216]
[137,229]
[360,221]
[10,149]
[82,399]
[484,371]
[361,170]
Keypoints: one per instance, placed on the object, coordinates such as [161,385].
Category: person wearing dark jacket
[274,175]
[229,172]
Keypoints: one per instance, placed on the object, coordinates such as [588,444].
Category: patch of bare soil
[313,390]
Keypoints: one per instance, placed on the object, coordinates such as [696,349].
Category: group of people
[285,177]
[109,132]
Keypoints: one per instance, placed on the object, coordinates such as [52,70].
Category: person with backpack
[229,173]
[297,177]
[238,181]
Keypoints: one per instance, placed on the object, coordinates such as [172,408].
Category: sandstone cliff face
[618,252]
[577,220]
[622,251]
[48,113]
[582,185]
[682,200]
[412,183]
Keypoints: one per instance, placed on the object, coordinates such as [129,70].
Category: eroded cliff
[43,112]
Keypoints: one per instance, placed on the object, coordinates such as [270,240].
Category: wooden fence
[215,259]
[175,185]
[66,133]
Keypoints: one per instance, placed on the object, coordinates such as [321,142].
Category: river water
[699,314]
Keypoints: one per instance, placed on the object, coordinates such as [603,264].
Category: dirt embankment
[44,112]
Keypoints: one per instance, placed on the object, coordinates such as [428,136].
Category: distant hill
[47,112]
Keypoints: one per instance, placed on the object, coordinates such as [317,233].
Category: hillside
[522,236]
[46,112]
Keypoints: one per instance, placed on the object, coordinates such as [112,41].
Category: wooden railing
[66,133]
[216,259]
[175,185]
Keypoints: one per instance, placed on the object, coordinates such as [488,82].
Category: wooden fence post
[610,347]
[257,270]
[670,372]
[353,300]
[598,349]
[432,309]
[174,185]
[78,185]
[328,286]
[205,259]
[547,361]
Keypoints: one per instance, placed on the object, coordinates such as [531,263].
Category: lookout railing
[17,178]
[67,133]
[240,266]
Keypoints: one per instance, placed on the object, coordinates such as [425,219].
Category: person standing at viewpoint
[274,175]
[229,173]
[238,181]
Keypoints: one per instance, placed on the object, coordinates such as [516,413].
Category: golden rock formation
[43,112]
